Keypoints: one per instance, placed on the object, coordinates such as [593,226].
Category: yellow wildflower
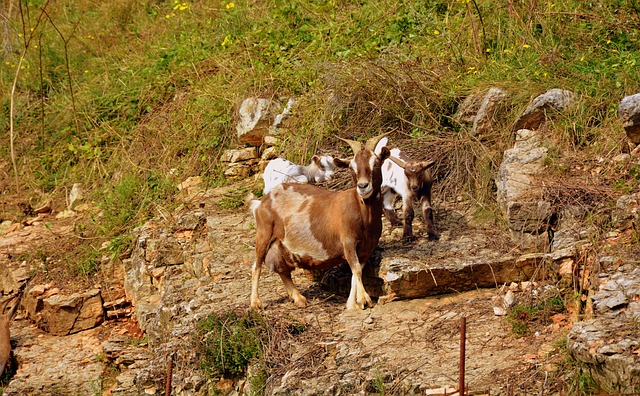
[526,45]
[230,5]
[226,42]
[436,32]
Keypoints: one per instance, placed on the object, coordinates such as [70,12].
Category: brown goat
[5,333]
[412,181]
[301,225]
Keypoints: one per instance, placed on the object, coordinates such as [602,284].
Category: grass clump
[229,343]
[235,345]
[526,315]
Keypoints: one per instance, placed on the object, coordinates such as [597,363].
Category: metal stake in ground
[463,335]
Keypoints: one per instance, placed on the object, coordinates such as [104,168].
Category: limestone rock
[241,155]
[629,112]
[490,110]
[76,196]
[537,111]
[468,109]
[627,211]
[518,193]
[62,315]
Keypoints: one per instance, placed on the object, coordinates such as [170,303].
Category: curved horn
[355,146]
[371,143]
[398,161]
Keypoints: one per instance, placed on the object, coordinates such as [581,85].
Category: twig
[12,133]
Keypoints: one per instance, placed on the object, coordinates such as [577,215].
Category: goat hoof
[433,236]
[409,238]
[300,302]
[256,305]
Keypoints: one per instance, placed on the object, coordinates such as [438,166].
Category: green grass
[228,343]
[131,99]
[527,314]
[234,345]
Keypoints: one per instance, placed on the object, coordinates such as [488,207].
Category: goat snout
[365,189]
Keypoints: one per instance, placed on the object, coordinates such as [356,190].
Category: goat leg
[393,218]
[255,277]
[407,232]
[358,297]
[427,213]
[294,295]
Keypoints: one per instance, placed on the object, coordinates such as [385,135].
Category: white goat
[280,171]
[412,181]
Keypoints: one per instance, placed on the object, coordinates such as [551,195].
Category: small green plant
[233,199]
[140,342]
[378,382]
[229,342]
[522,316]
[88,261]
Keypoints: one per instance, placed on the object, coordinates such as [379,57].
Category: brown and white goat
[412,181]
[302,225]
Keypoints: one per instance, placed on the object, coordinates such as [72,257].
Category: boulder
[519,196]
[489,112]
[541,107]
[629,112]
[63,315]
[260,117]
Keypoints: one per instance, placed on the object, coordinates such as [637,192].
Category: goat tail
[252,202]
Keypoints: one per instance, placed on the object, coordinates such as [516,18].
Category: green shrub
[228,343]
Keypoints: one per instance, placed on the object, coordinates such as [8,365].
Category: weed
[576,377]
[233,199]
[88,261]
[228,343]
[141,342]
[378,382]
[525,314]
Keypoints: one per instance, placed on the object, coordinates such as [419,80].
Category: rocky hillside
[550,296]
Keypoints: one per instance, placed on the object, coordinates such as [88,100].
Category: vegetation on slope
[130,98]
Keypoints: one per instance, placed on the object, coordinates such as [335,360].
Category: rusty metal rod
[167,386]
[463,336]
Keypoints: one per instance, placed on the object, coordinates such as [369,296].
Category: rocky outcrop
[259,117]
[63,314]
[240,163]
[519,194]
[482,112]
[629,112]
[608,344]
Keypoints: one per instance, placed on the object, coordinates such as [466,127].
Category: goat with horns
[313,228]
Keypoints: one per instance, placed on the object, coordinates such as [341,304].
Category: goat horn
[371,143]
[398,161]
[355,146]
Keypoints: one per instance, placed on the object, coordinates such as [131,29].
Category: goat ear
[426,164]
[340,163]
[398,162]
[384,154]
[315,159]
